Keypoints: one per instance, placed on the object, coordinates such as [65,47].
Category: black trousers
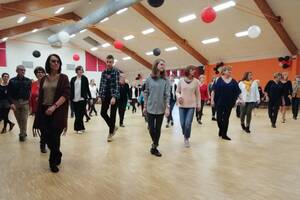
[91,107]
[170,118]
[72,108]
[200,112]
[133,103]
[273,108]
[122,108]
[79,110]
[213,111]
[4,115]
[154,124]
[295,106]
[110,120]
[223,115]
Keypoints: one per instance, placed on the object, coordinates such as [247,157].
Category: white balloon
[63,36]
[254,31]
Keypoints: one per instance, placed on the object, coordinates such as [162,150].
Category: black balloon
[36,54]
[156,51]
[155,3]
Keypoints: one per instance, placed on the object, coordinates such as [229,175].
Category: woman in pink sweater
[188,98]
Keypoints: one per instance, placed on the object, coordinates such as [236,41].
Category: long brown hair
[246,76]
[155,72]
[187,70]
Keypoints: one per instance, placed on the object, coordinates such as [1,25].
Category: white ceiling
[227,23]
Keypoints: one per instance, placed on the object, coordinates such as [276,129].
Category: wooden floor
[263,165]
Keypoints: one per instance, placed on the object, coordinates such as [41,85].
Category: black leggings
[273,109]
[4,115]
[200,112]
[91,107]
[154,124]
[223,115]
[133,103]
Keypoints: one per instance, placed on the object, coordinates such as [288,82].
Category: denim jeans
[186,118]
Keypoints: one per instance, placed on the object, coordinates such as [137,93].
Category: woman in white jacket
[250,97]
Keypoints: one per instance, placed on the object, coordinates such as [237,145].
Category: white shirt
[252,95]
[77,92]
[133,93]
[93,90]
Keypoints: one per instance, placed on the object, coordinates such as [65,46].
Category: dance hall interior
[149,99]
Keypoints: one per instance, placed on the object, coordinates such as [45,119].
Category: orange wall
[263,69]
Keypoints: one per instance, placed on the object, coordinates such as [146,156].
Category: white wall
[21,50]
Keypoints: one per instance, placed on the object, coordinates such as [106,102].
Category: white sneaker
[79,132]
[186,143]
[109,137]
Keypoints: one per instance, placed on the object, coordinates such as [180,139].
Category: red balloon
[208,14]
[76,57]
[118,44]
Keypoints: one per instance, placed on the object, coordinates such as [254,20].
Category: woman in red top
[35,86]
[203,89]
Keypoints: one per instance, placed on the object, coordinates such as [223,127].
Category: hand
[180,100]
[65,131]
[36,132]
[113,101]
[50,110]
[167,112]
[13,107]
[212,103]
[145,111]
[198,108]
[290,96]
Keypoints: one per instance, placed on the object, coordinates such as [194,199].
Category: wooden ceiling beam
[266,9]
[23,6]
[183,43]
[44,23]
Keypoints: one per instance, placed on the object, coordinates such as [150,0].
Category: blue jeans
[186,118]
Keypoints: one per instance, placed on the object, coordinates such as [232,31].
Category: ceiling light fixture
[121,11]
[21,19]
[105,45]
[104,20]
[211,40]
[73,35]
[128,37]
[126,58]
[149,53]
[187,18]
[4,39]
[35,30]
[59,10]
[94,49]
[82,31]
[241,34]
[148,31]
[224,6]
[171,49]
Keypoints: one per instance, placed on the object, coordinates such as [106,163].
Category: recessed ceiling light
[121,11]
[105,45]
[34,30]
[104,20]
[171,49]
[211,40]
[94,49]
[126,58]
[187,18]
[149,53]
[128,37]
[224,6]
[59,10]
[4,39]
[82,31]
[73,35]
[147,31]
[241,34]
[21,19]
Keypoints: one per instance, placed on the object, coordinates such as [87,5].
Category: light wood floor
[262,165]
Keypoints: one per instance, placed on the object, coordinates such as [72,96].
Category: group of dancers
[48,99]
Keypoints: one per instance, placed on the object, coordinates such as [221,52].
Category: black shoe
[167,126]
[226,137]
[122,125]
[295,118]
[22,138]
[199,122]
[3,131]
[43,150]
[247,129]
[155,152]
[11,126]
[213,119]
[172,123]
[273,126]
[88,119]
[54,168]
[243,127]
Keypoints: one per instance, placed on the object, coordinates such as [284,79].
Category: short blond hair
[225,68]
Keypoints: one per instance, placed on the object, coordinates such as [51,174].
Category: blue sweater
[226,94]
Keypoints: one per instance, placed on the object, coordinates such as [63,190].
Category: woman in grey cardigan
[156,97]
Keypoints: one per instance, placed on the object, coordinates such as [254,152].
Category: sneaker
[186,143]
[109,137]
[79,132]
[155,152]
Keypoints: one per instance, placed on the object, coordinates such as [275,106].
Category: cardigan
[85,89]
[60,115]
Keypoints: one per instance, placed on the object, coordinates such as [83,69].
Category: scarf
[247,85]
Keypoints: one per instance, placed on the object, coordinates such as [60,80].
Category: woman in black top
[287,94]
[274,95]
[224,95]
[4,103]
[80,92]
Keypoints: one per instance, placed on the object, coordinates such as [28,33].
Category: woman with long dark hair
[4,103]
[52,113]
[250,97]
[188,96]
[225,93]
[287,95]
[156,94]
